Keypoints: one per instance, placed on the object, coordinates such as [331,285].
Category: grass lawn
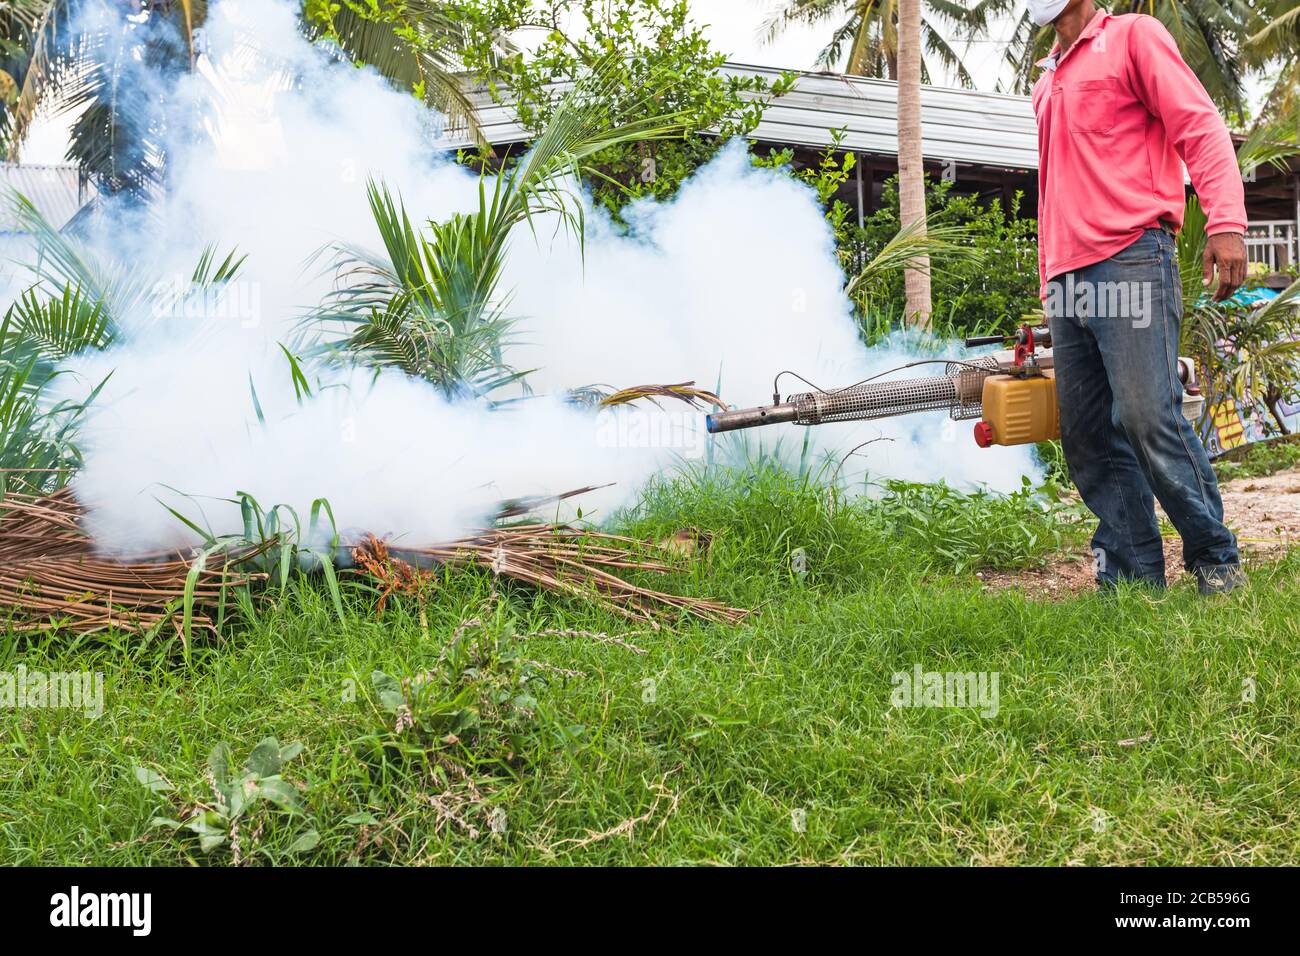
[1135,728]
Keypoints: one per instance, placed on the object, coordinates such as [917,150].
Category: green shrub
[987,293]
[1259,459]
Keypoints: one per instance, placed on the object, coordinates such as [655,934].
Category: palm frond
[38,450]
[682,392]
[430,303]
[111,65]
[1273,140]
[61,262]
[61,326]
[1287,21]
[911,244]
[209,272]
[415,50]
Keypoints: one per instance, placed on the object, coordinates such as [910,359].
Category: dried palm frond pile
[577,562]
[50,577]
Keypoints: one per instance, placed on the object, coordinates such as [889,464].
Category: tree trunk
[1273,399]
[911,167]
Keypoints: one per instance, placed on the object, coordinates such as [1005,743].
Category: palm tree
[1244,354]
[1276,41]
[96,60]
[116,63]
[415,44]
[866,40]
[19,20]
[911,168]
[429,303]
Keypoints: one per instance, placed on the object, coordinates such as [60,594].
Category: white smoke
[729,283]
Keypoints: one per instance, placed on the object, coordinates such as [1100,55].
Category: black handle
[976,340]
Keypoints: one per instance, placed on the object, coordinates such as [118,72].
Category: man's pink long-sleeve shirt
[1115,115]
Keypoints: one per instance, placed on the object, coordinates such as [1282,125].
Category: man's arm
[1170,90]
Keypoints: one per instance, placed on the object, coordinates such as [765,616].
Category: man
[1117,109]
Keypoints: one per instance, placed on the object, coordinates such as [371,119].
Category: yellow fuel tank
[1019,410]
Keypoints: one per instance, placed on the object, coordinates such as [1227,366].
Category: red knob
[983,434]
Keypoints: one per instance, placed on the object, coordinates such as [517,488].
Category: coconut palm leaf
[19,20]
[415,45]
[37,437]
[429,303]
[62,262]
[113,65]
[1269,144]
[864,39]
[1274,47]
[910,244]
[61,326]
[208,272]
[1281,28]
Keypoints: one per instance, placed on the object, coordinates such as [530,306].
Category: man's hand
[1227,252]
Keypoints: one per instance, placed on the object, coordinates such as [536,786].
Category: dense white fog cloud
[732,281]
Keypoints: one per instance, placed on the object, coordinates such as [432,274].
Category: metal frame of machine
[1012,392]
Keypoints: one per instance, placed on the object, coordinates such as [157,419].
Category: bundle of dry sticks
[51,576]
[555,557]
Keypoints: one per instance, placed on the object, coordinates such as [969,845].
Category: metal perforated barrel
[959,389]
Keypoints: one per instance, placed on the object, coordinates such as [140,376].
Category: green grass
[715,736]
[1259,459]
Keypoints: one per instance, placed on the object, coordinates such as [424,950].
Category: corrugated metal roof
[55,191]
[965,126]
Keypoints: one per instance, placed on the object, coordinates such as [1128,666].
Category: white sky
[734,26]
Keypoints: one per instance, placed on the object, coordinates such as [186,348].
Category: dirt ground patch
[1264,512]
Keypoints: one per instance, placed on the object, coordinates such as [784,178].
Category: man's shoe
[1219,578]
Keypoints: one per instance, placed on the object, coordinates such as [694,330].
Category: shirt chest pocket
[1090,105]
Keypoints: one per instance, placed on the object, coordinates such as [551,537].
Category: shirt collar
[1053,59]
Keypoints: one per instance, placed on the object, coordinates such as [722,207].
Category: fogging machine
[1012,392]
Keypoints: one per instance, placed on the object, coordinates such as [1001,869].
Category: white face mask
[1043,12]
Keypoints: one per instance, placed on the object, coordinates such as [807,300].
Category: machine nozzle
[750,417]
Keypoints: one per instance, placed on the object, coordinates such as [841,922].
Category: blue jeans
[1115,331]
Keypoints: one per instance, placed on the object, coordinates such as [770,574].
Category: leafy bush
[964,531]
[237,809]
[648,48]
[478,708]
[1250,354]
[1259,459]
[989,291]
